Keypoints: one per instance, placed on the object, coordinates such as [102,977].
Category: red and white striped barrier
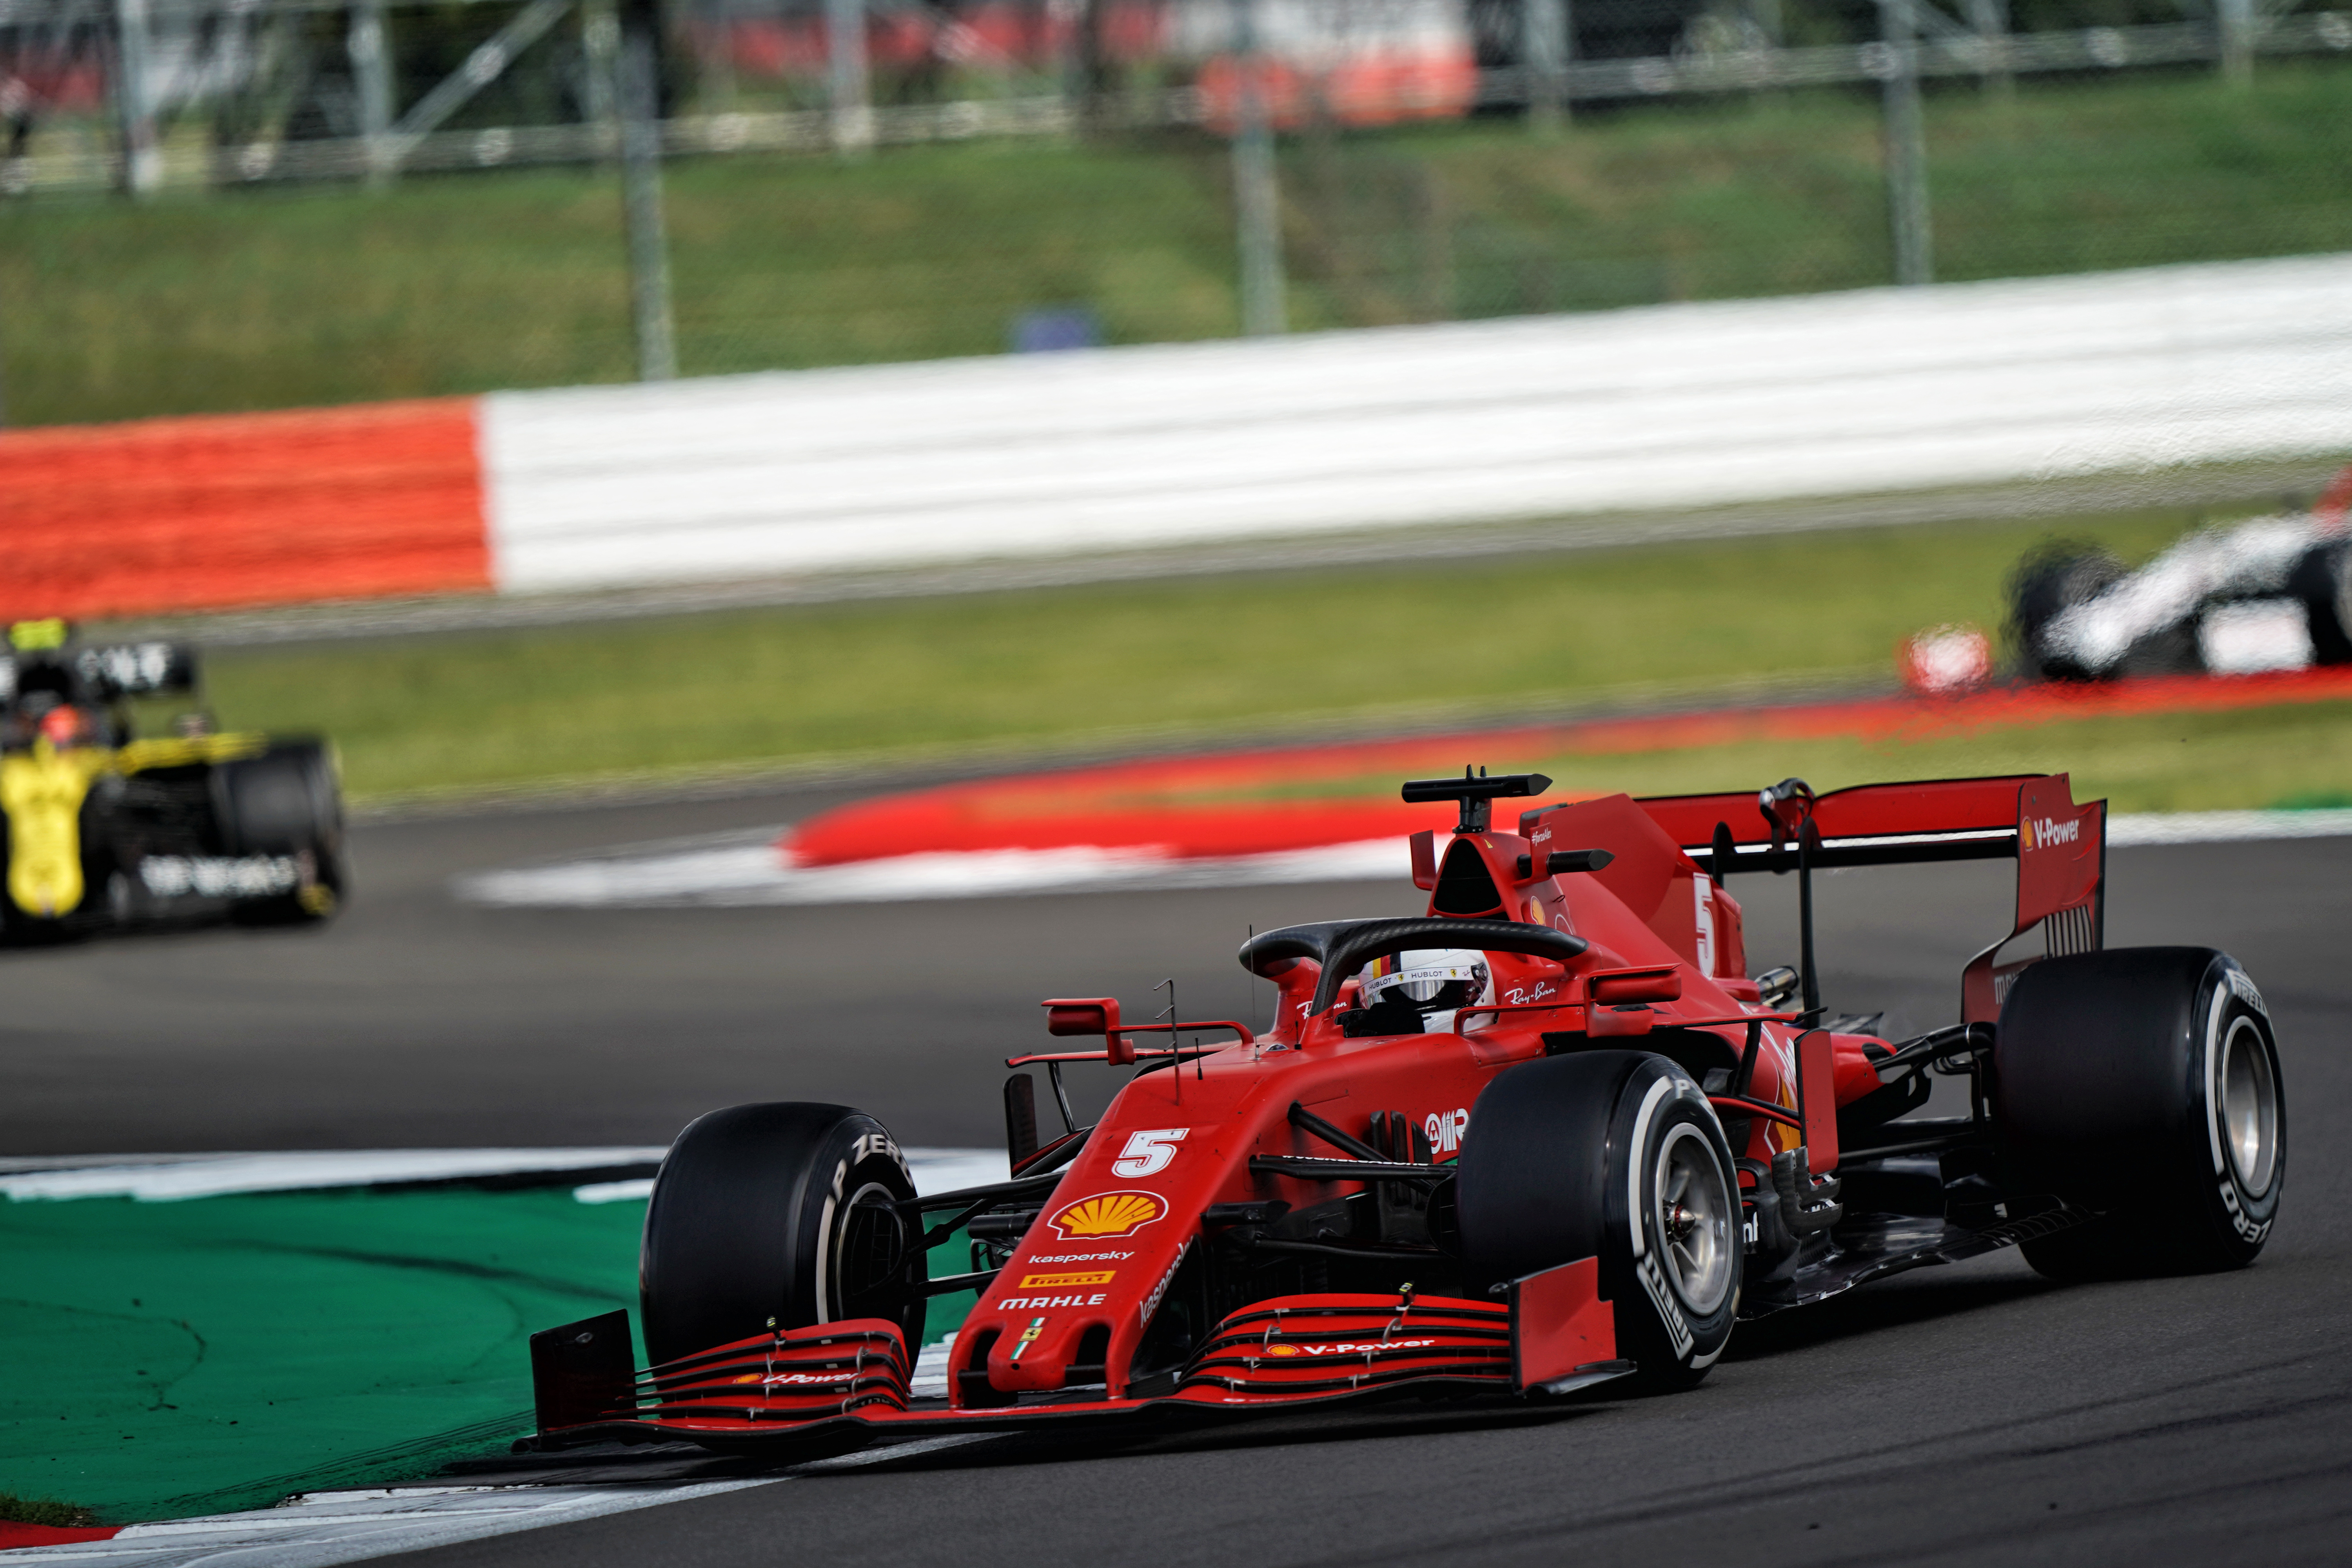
[376,501]
[884,466]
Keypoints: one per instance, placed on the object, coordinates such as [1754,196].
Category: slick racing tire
[782,1213]
[2143,1084]
[1613,1155]
[286,802]
[2047,582]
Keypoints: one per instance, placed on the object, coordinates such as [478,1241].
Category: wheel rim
[869,1251]
[1691,1217]
[2249,1105]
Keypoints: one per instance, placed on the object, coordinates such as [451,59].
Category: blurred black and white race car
[2272,593]
[102,828]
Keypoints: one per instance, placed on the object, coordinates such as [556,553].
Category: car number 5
[1148,1153]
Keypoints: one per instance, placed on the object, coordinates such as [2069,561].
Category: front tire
[2143,1083]
[286,802]
[2051,579]
[778,1213]
[1615,1155]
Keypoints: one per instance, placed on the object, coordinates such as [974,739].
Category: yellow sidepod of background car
[42,789]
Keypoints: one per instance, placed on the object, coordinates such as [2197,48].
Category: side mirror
[1425,860]
[1090,1015]
[1616,987]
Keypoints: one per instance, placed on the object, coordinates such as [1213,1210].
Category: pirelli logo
[1064,1281]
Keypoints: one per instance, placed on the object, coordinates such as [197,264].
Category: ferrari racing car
[1551,1135]
[100,828]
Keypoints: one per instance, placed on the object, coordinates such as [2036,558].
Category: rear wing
[99,674]
[2060,847]
[137,669]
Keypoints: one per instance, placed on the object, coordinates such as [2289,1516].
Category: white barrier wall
[1658,407]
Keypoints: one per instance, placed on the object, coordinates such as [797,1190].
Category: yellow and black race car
[99,829]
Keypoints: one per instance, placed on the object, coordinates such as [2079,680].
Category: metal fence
[1172,169]
[93,91]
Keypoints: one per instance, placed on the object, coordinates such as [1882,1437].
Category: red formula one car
[1549,1136]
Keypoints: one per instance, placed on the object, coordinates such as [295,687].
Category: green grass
[464,283]
[2284,756]
[2289,757]
[49,1511]
[1109,664]
[270,299]
[1784,194]
[2314,800]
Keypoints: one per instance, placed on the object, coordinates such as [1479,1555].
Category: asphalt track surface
[1964,1415]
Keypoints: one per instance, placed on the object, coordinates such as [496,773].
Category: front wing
[1553,1336]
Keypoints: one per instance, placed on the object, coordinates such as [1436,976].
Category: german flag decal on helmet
[1108,1215]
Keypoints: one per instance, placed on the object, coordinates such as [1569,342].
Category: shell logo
[1281,1350]
[1106,1216]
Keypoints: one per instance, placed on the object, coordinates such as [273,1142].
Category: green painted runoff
[169,1358]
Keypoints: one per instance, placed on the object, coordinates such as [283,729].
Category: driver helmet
[1429,979]
[63,726]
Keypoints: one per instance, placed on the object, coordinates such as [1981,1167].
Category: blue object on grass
[1055,328]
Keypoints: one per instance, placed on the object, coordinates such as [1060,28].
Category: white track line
[171,1178]
[740,871]
[743,876]
[320,1529]
[154,1180]
[2224,827]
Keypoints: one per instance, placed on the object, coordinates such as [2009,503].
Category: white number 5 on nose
[1148,1153]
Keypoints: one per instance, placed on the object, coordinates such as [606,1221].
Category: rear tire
[2143,1083]
[781,1212]
[286,802]
[1615,1155]
[2051,579]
